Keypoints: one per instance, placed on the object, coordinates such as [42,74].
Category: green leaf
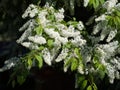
[20,79]
[101,1]
[74,64]
[68,45]
[84,84]
[40,60]
[50,42]
[80,79]
[29,62]
[117,12]
[68,62]
[41,47]
[39,30]
[95,3]
[94,86]
[77,51]
[89,87]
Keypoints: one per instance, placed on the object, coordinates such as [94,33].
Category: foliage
[89,49]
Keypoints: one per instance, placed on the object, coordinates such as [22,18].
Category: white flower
[62,55]
[80,69]
[25,35]
[67,33]
[97,28]
[62,40]
[59,15]
[37,39]
[30,45]
[101,18]
[47,56]
[61,10]
[42,16]
[57,42]
[25,26]
[28,27]
[78,41]
[80,25]
[109,4]
[31,11]
[110,72]
[86,3]
[117,6]
[111,47]
[51,32]
[112,34]
[10,63]
[104,33]
[61,27]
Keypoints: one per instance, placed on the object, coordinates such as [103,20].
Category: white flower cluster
[109,4]
[31,11]
[59,15]
[37,39]
[86,3]
[52,29]
[62,41]
[47,56]
[10,63]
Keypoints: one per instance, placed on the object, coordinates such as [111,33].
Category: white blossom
[80,26]
[109,4]
[37,39]
[110,72]
[104,33]
[28,27]
[101,18]
[59,15]
[42,17]
[112,34]
[47,56]
[24,36]
[62,40]
[80,69]
[52,33]
[78,41]
[8,64]
[67,33]
[86,2]
[31,11]
[62,55]
[97,28]
[30,45]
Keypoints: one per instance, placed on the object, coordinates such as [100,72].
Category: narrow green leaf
[94,86]
[29,62]
[101,1]
[40,60]
[77,51]
[84,84]
[89,87]
[68,62]
[74,64]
